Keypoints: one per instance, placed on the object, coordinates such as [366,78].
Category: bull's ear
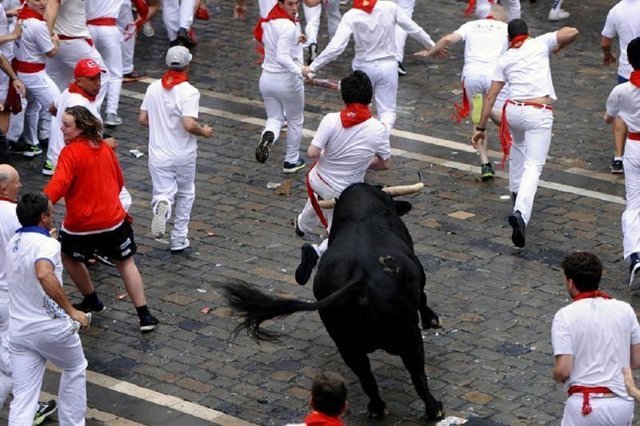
[402,207]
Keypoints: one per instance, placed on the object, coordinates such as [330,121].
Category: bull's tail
[255,306]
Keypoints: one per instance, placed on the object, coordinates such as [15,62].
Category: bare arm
[5,65]
[634,362]
[12,36]
[487,106]
[630,384]
[51,14]
[379,164]
[56,44]
[51,286]
[441,45]
[566,36]
[143,119]
[562,366]
[605,45]
[192,126]
[313,152]
[240,11]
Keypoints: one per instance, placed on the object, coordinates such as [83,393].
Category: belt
[634,136]
[102,21]
[64,37]
[27,67]
[586,391]
[531,104]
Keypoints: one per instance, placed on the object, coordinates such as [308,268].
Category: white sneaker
[112,120]
[148,30]
[558,15]
[179,244]
[159,222]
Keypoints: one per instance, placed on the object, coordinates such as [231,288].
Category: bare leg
[132,280]
[79,275]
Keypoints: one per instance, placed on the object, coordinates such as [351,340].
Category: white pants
[284,92]
[631,214]
[16,122]
[614,411]
[480,84]
[6,381]
[312,19]
[177,14]
[384,79]
[29,355]
[531,131]
[401,35]
[128,31]
[41,92]
[107,39]
[175,182]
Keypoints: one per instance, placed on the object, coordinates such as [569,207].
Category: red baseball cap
[86,68]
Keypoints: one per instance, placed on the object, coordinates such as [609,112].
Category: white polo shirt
[527,68]
[102,8]
[624,102]
[282,52]
[72,19]
[8,225]
[169,142]
[484,41]
[598,333]
[623,21]
[348,151]
[35,42]
[29,306]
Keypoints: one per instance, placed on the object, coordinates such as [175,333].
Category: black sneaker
[45,409]
[401,71]
[262,150]
[184,39]
[487,172]
[517,223]
[633,270]
[44,143]
[616,167]
[293,167]
[33,151]
[298,231]
[86,306]
[148,323]
[308,261]
[19,147]
[312,53]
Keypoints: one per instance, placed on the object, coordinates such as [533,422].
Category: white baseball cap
[178,57]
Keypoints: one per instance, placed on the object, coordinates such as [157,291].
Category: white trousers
[401,35]
[606,412]
[128,31]
[284,92]
[312,19]
[41,92]
[177,14]
[29,355]
[6,381]
[631,214]
[175,183]
[107,39]
[480,84]
[531,131]
[384,79]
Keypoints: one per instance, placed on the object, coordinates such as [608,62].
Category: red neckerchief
[490,17]
[3,198]
[366,5]
[635,78]
[353,114]
[318,419]
[277,12]
[591,294]
[172,78]
[505,136]
[74,88]
[518,41]
[26,12]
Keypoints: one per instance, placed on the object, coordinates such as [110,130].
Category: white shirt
[169,142]
[34,42]
[623,21]
[72,19]
[29,306]
[8,226]
[373,34]
[598,333]
[484,41]
[6,49]
[624,102]
[527,68]
[102,8]
[282,52]
[348,151]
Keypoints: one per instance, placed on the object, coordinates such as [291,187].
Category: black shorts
[117,244]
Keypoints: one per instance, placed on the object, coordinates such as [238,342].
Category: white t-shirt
[598,333]
[102,8]
[8,225]
[72,19]
[169,142]
[484,41]
[30,307]
[373,34]
[624,102]
[34,42]
[347,152]
[6,49]
[623,21]
[282,52]
[527,68]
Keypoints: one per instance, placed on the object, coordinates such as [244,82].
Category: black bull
[370,288]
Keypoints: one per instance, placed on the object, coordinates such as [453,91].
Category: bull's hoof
[377,410]
[435,322]
[437,413]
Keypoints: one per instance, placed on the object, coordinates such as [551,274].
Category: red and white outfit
[312,18]
[281,81]
[172,150]
[40,331]
[624,102]
[526,69]
[375,45]
[598,333]
[126,25]
[29,63]
[346,155]
[16,121]
[622,22]
[101,20]
[401,35]
[177,14]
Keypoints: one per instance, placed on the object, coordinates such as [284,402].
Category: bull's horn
[394,191]
[327,204]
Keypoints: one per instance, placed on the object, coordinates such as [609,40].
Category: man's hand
[207,131]
[608,59]
[81,317]
[478,138]
[20,87]
[306,70]
[240,12]
[302,39]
